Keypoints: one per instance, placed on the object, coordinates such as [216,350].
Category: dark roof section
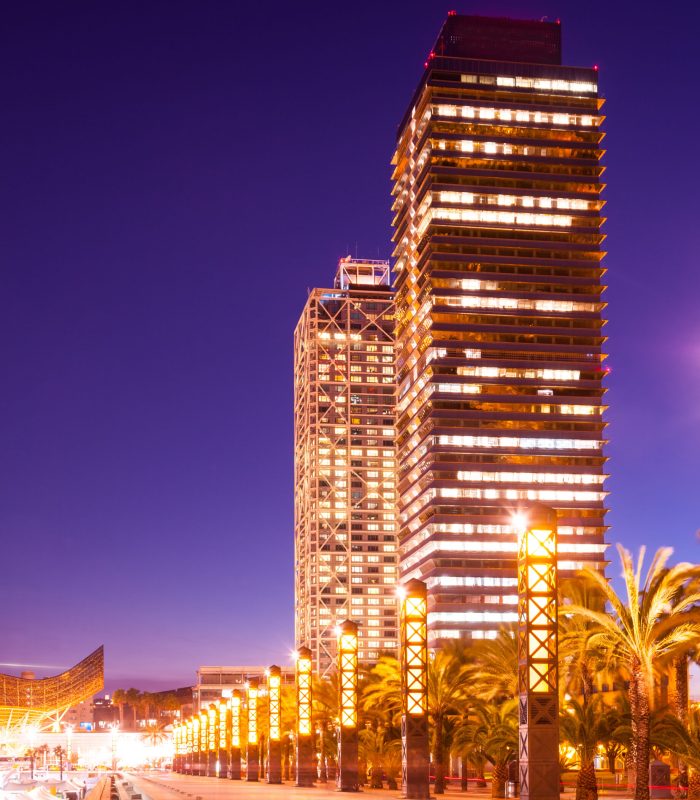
[499,39]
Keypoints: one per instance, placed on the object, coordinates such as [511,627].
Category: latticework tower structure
[344,488]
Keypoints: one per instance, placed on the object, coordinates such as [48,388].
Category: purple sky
[174,175]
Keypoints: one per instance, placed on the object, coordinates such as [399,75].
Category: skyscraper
[344,463]
[499,315]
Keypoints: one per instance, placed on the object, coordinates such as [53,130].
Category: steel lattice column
[415,774]
[213,739]
[252,772]
[305,740]
[223,728]
[274,747]
[235,756]
[538,739]
[189,765]
[347,687]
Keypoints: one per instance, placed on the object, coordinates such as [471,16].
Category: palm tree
[578,662]
[379,751]
[612,731]
[381,695]
[447,693]
[133,698]
[119,700]
[688,747]
[641,630]
[59,752]
[494,673]
[492,735]
[43,750]
[448,677]
[154,734]
[581,726]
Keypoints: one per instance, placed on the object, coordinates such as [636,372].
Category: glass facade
[499,318]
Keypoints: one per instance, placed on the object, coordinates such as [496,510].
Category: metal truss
[43,702]
[344,468]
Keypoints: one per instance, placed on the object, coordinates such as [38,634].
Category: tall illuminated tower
[344,463]
[499,327]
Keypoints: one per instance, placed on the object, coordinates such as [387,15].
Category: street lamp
[176,737]
[415,771]
[196,724]
[347,686]
[114,729]
[189,766]
[203,742]
[69,744]
[213,743]
[305,744]
[274,747]
[235,769]
[538,738]
[252,772]
[222,762]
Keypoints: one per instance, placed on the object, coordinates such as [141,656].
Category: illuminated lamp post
[195,745]
[274,745]
[224,712]
[213,741]
[114,729]
[415,751]
[538,736]
[235,755]
[190,747]
[69,745]
[203,742]
[181,749]
[176,744]
[348,769]
[252,772]
[305,741]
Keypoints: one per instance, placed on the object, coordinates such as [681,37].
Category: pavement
[172,786]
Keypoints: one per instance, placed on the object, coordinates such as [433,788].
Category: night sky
[173,176]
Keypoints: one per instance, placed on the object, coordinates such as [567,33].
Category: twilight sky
[173,176]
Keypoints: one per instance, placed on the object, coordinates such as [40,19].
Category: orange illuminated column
[176,736]
[415,773]
[235,752]
[213,739]
[537,654]
[305,740]
[223,729]
[347,689]
[196,725]
[252,750]
[189,748]
[177,746]
[274,746]
[203,742]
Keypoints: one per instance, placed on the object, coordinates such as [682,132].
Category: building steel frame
[344,488]
[43,702]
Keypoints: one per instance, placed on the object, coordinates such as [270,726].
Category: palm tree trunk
[679,699]
[641,734]
[586,784]
[693,784]
[631,755]
[439,756]
[464,774]
[586,684]
[498,780]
